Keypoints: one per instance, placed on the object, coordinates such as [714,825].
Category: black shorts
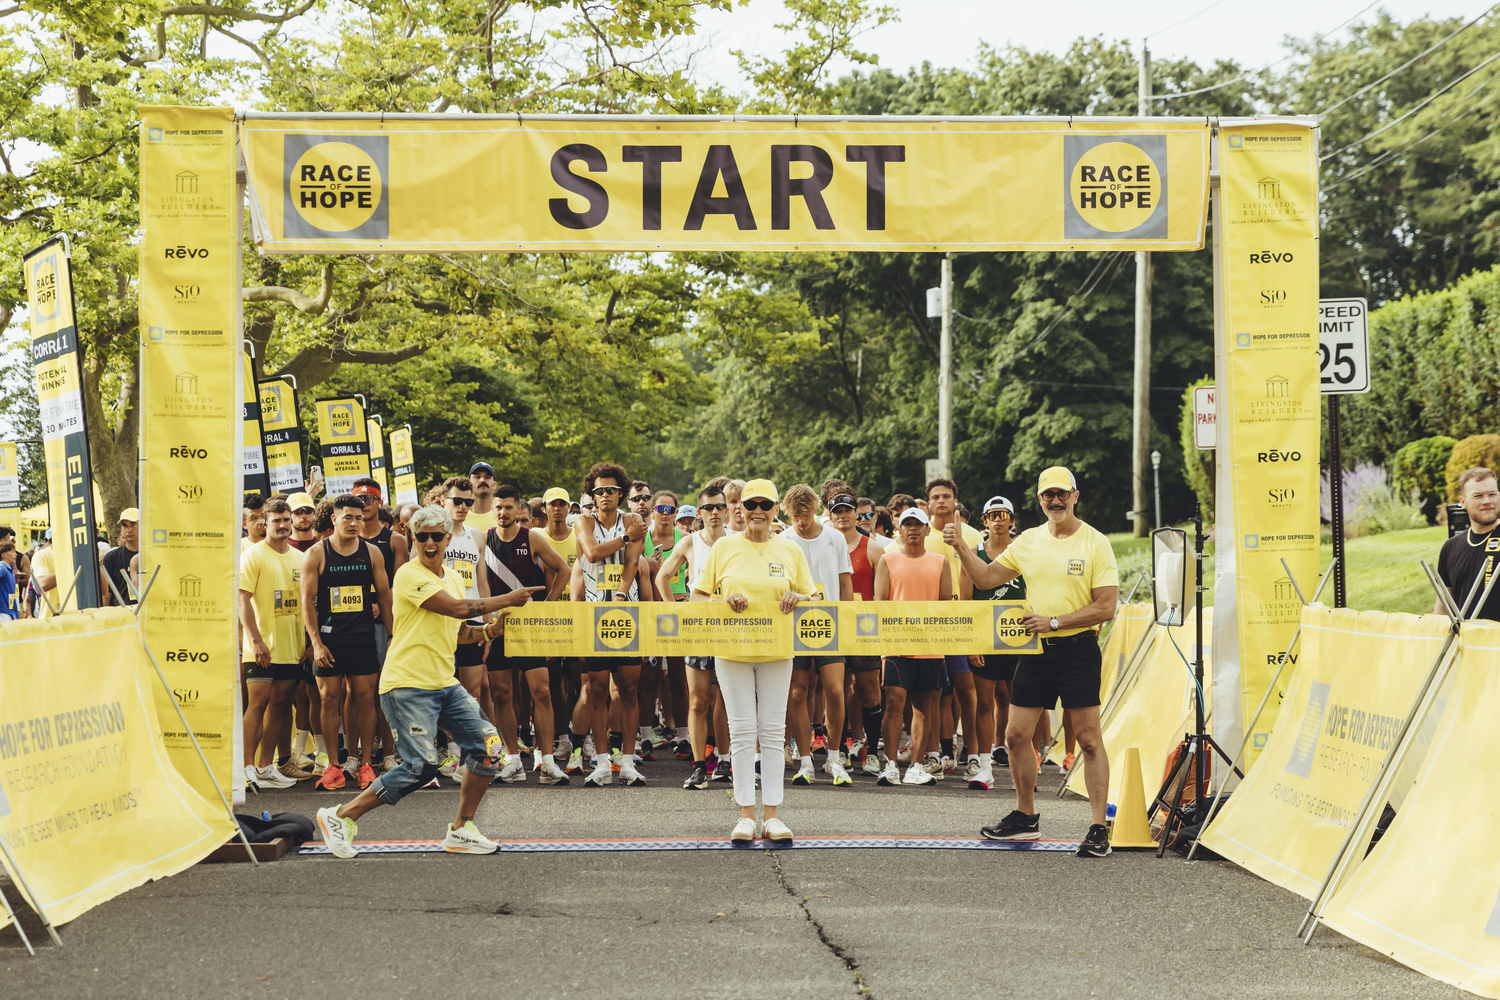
[499,661]
[1069,671]
[275,672]
[700,662]
[860,664]
[913,674]
[997,667]
[469,654]
[808,662]
[353,655]
[594,664]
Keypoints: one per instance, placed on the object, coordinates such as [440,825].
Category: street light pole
[945,372]
[1156,476]
[1141,405]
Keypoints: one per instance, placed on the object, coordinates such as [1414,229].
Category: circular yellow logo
[1116,186]
[815,628]
[341,419]
[270,405]
[1010,630]
[336,186]
[615,629]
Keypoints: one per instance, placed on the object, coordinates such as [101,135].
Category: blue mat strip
[717,844]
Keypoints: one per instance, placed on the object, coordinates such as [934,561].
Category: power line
[1408,64]
[1425,101]
[1185,20]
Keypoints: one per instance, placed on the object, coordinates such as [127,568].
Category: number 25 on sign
[1343,346]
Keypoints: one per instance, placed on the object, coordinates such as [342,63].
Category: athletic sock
[299,741]
[973,756]
[874,719]
[819,730]
[682,732]
[320,744]
[616,740]
[807,762]
[644,733]
[701,763]
[947,747]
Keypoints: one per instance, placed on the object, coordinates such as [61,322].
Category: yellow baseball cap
[297,501]
[760,489]
[1056,478]
[556,493]
[131,514]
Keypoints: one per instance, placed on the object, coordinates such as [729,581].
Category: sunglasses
[866,516]
[664,508]
[461,501]
[428,536]
[608,491]
[640,498]
[997,515]
[758,504]
[712,506]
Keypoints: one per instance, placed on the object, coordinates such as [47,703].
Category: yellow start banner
[377,458]
[252,446]
[710,628]
[344,438]
[90,803]
[474,183]
[1270,266]
[281,430]
[190,384]
[403,465]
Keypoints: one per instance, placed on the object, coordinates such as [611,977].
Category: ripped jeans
[415,716]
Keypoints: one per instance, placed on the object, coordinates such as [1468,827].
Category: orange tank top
[914,579]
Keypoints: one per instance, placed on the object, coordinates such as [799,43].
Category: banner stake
[17,925]
[36,902]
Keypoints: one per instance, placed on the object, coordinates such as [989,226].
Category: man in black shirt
[1475,550]
[116,562]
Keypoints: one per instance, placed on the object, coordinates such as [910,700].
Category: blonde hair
[800,498]
[733,490]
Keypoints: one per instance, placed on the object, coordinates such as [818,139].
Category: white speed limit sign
[1343,346]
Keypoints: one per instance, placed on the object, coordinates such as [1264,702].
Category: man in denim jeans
[420,695]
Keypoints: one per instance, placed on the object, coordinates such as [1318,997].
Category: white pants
[755,700]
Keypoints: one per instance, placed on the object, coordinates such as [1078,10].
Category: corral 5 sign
[367,185]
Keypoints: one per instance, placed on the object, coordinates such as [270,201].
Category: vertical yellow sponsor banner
[377,456]
[345,443]
[403,465]
[281,432]
[57,362]
[10,488]
[253,449]
[1270,263]
[190,387]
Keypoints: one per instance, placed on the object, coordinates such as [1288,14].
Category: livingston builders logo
[1307,732]
[336,185]
[1116,187]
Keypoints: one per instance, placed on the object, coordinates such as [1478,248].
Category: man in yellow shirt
[420,695]
[1073,586]
[44,576]
[270,614]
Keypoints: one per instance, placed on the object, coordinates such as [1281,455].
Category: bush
[1421,467]
[1474,450]
[1197,464]
[1371,506]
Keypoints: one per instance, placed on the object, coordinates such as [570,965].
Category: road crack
[861,986]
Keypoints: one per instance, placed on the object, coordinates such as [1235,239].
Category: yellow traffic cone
[1131,829]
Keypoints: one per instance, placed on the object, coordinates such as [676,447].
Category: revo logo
[1271,257]
[188,453]
[186,253]
[186,656]
[1278,456]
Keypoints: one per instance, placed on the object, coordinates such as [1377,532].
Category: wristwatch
[1054,624]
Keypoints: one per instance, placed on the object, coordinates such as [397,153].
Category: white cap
[914,514]
[997,503]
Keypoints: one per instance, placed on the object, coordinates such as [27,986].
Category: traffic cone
[1131,829]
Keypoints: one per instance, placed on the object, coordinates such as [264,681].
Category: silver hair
[427,518]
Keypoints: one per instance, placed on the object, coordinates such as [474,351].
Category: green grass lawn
[1382,572]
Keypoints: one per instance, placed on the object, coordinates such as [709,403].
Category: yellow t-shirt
[971,536]
[421,652]
[43,563]
[567,548]
[274,582]
[1061,573]
[762,571]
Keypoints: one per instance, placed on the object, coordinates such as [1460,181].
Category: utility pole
[1141,406]
[945,372]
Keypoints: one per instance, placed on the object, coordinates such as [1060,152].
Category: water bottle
[1109,817]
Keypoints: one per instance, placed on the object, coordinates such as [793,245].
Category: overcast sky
[948,32]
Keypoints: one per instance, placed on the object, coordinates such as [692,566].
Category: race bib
[286,602]
[465,571]
[609,576]
[818,592]
[342,600]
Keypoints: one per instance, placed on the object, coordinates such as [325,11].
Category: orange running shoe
[819,743]
[366,775]
[332,779]
[1038,759]
[1068,763]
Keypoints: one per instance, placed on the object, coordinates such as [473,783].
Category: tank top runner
[567,548]
[700,559]
[382,541]
[517,557]
[679,585]
[344,586]
[601,579]
[864,570]
[1015,590]
[916,579]
[462,558]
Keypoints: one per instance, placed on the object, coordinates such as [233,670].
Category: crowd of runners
[374,653]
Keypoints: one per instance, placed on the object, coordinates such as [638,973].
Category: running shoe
[724,772]
[457,777]
[523,742]
[711,759]
[1096,843]
[351,767]
[1015,826]
[904,756]
[971,770]
[804,775]
[551,774]
[775,830]
[468,840]
[448,764]
[270,777]
[819,743]
[562,747]
[1038,761]
[291,770]
[320,762]
[1067,764]
[1000,757]
[514,770]
[789,752]
[615,760]
[844,761]
[601,775]
[366,775]
[890,776]
[698,779]
[645,750]
[332,780]
[665,735]
[949,765]
[744,830]
[389,763]
[575,762]
[871,765]
[431,784]
[835,770]
[917,774]
[982,780]
[252,778]
[934,767]
[588,746]
[337,833]
[303,762]
[629,776]
[683,750]
[536,759]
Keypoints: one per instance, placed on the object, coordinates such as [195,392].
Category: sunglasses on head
[843,501]
[665,508]
[428,536]
[713,506]
[607,490]
[640,498]
[462,501]
[759,504]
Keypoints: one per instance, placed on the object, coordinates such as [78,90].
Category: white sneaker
[891,775]
[514,769]
[252,777]
[588,747]
[971,770]
[269,776]
[629,776]
[303,762]
[468,840]
[562,747]
[351,768]
[337,833]
[934,767]
[835,770]
[804,775]
[448,766]
[916,774]
[775,829]
[789,751]
[457,776]
[983,779]
[872,764]
[949,765]
[744,830]
[601,774]
[551,774]
[904,757]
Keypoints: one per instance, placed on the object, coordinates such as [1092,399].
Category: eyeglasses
[1057,495]
[712,506]
[589,508]
[868,515]
[665,508]
[428,536]
[461,501]
[608,491]
[759,504]
[640,498]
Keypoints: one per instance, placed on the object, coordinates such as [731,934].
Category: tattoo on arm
[473,609]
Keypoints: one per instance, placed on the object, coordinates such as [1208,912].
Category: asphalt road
[753,924]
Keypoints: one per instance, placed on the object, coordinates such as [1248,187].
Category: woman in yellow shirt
[756,565]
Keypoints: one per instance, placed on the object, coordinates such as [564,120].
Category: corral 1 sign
[1344,346]
[1205,423]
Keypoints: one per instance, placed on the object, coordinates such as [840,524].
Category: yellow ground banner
[190,387]
[377,458]
[252,445]
[57,363]
[1351,688]
[90,803]
[345,442]
[710,628]
[468,183]
[1270,265]
[1428,895]
[10,488]
[403,465]
[282,432]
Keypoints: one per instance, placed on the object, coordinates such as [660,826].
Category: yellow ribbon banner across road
[710,628]
[473,183]
[344,439]
[90,803]
[282,432]
[403,466]
[1270,263]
